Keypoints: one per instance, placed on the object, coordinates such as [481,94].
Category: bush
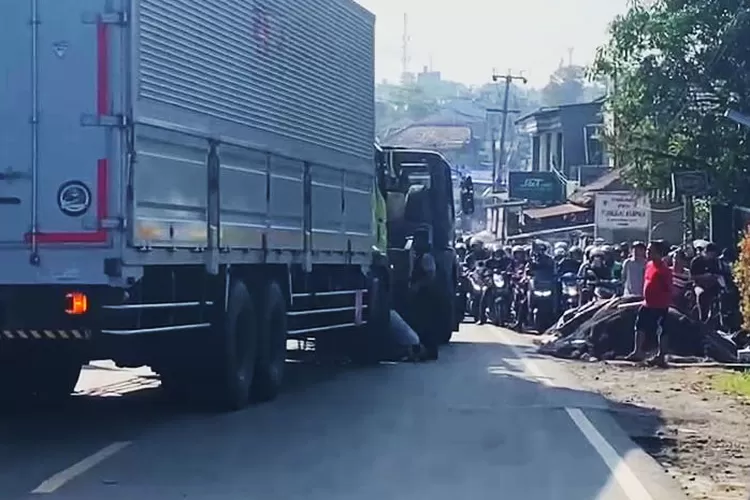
[741,273]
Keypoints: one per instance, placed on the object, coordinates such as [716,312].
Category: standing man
[705,272]
[633,270]
[657,297]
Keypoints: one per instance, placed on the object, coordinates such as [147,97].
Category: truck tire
[447,315]
[368,343]
[230,373]
[40,377]
[272,336]
[60,382]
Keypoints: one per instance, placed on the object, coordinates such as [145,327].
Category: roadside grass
[736,384]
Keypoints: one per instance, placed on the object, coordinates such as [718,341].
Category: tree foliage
[741,274]
[676,66]
[570,85]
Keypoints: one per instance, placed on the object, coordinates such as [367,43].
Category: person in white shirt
[633,270]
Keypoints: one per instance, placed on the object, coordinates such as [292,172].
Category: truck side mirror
[467,196]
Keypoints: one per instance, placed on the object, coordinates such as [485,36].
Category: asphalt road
[489,420]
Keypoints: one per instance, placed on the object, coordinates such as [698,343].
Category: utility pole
[496,169]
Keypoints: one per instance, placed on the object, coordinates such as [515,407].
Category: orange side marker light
[77,303]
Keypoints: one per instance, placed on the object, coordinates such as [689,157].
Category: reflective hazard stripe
[44,335]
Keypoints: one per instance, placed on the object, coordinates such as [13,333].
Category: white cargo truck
[184,184]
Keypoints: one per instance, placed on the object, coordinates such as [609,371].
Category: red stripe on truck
[102,212]
[102,165]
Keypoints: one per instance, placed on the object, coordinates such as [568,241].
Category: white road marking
[528,364]
[61,478]
[624,476]
[622,473]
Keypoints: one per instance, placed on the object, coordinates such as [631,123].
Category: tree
[566,86]
[677,65]
[415,102]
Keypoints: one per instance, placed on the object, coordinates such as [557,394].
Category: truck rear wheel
[47,376]
[272,335]
[367,345]
[233,367]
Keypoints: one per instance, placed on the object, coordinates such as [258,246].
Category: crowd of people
[695,278]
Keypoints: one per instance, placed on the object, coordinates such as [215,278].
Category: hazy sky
[466,39]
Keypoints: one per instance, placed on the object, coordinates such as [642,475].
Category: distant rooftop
[554,109]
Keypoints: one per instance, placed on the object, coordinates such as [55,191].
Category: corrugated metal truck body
[111,107]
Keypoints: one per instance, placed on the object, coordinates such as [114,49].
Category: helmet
[539,247]
[560,252]
[597,252]
[561,244]
[498,252]
[607,249]
[575,253]
[517,249]
[588,251]
[599,241]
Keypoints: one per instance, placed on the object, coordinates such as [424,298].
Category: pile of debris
[603,330]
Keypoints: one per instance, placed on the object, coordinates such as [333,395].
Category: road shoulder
[597,410]
[695,432]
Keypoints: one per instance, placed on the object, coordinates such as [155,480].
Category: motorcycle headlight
[570,290]
[499,281]
[543,293]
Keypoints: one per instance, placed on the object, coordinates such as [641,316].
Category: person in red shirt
[657,298]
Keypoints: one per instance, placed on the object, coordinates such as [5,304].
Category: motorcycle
[606,289]
[569,292]
[478,283]
[463,292]
[593,288]
[541,304]
[501,298]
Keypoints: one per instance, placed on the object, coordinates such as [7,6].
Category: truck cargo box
[140,132]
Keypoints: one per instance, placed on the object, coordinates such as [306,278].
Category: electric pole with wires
[498,165]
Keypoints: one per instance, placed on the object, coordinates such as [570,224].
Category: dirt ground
[700,435]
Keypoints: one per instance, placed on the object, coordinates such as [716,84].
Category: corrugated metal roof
[432,136]
[554,211]
[611,181]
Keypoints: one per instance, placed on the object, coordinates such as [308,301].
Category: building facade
[564,138]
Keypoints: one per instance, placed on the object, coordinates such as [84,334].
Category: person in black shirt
[541,264]
[705,272]
[499,260]
[568,264]
[596,267]
[477,253]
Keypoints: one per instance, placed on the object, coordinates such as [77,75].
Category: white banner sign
[622,211]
